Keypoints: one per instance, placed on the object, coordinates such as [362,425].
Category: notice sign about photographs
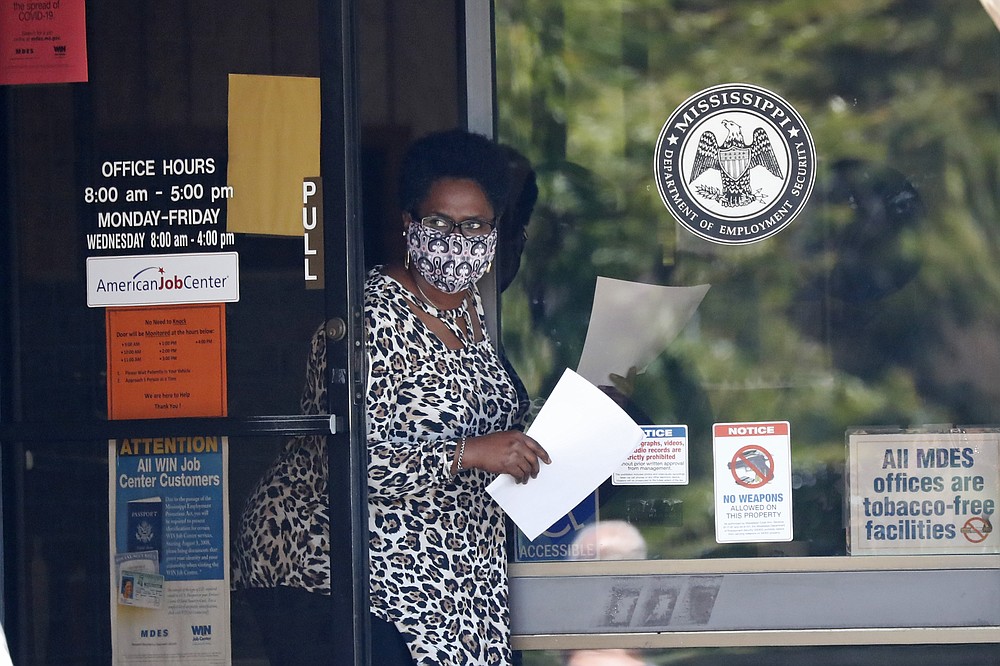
[661,459]
[923,493]
[753,482]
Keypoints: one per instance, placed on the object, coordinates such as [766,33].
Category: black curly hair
[454,153]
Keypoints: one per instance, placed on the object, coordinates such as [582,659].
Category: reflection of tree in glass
[877,306]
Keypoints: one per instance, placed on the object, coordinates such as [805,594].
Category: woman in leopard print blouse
[443,419]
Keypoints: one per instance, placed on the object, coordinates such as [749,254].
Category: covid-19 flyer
[43,41]
[168,505]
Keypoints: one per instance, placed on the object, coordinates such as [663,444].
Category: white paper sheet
[4,654]
[586,435]
[992,8]
[631,324]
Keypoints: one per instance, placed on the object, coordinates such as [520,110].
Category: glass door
[180,222]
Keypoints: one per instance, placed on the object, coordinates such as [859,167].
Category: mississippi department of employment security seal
[735,164]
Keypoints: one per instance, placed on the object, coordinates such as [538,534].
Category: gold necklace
[464,310]
[427,299]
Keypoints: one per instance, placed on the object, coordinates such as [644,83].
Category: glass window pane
[64,537]
[135,163]
[873,307]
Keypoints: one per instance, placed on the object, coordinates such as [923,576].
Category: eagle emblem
[726,207]
[735,159]
[144,532]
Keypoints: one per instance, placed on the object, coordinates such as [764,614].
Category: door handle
[335,329]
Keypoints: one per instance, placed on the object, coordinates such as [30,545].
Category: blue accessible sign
[558,542]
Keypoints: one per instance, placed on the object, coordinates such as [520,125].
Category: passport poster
[168,505]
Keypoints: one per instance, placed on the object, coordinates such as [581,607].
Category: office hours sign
[923,493]
[753,482]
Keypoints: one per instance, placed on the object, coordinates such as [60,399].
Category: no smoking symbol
[752,466]
[976,529]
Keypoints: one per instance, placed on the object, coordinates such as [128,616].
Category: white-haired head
[610,540]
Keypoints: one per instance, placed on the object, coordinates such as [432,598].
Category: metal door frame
[871,600]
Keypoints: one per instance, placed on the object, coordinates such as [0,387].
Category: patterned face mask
[450,262]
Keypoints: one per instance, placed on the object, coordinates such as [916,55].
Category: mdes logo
[735,164]
[154,632]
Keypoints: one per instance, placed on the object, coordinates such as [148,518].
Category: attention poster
[169,550]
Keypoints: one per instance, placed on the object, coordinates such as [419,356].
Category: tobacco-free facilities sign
[924,493]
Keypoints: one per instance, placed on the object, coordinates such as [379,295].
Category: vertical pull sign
[312,233]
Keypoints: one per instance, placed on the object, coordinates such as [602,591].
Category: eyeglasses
[474,227]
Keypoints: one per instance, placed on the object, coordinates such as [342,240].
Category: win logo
[59,50]
[202,632]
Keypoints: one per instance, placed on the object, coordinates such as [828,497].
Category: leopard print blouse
[437,559]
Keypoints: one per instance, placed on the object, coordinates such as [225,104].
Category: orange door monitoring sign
[166,362]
